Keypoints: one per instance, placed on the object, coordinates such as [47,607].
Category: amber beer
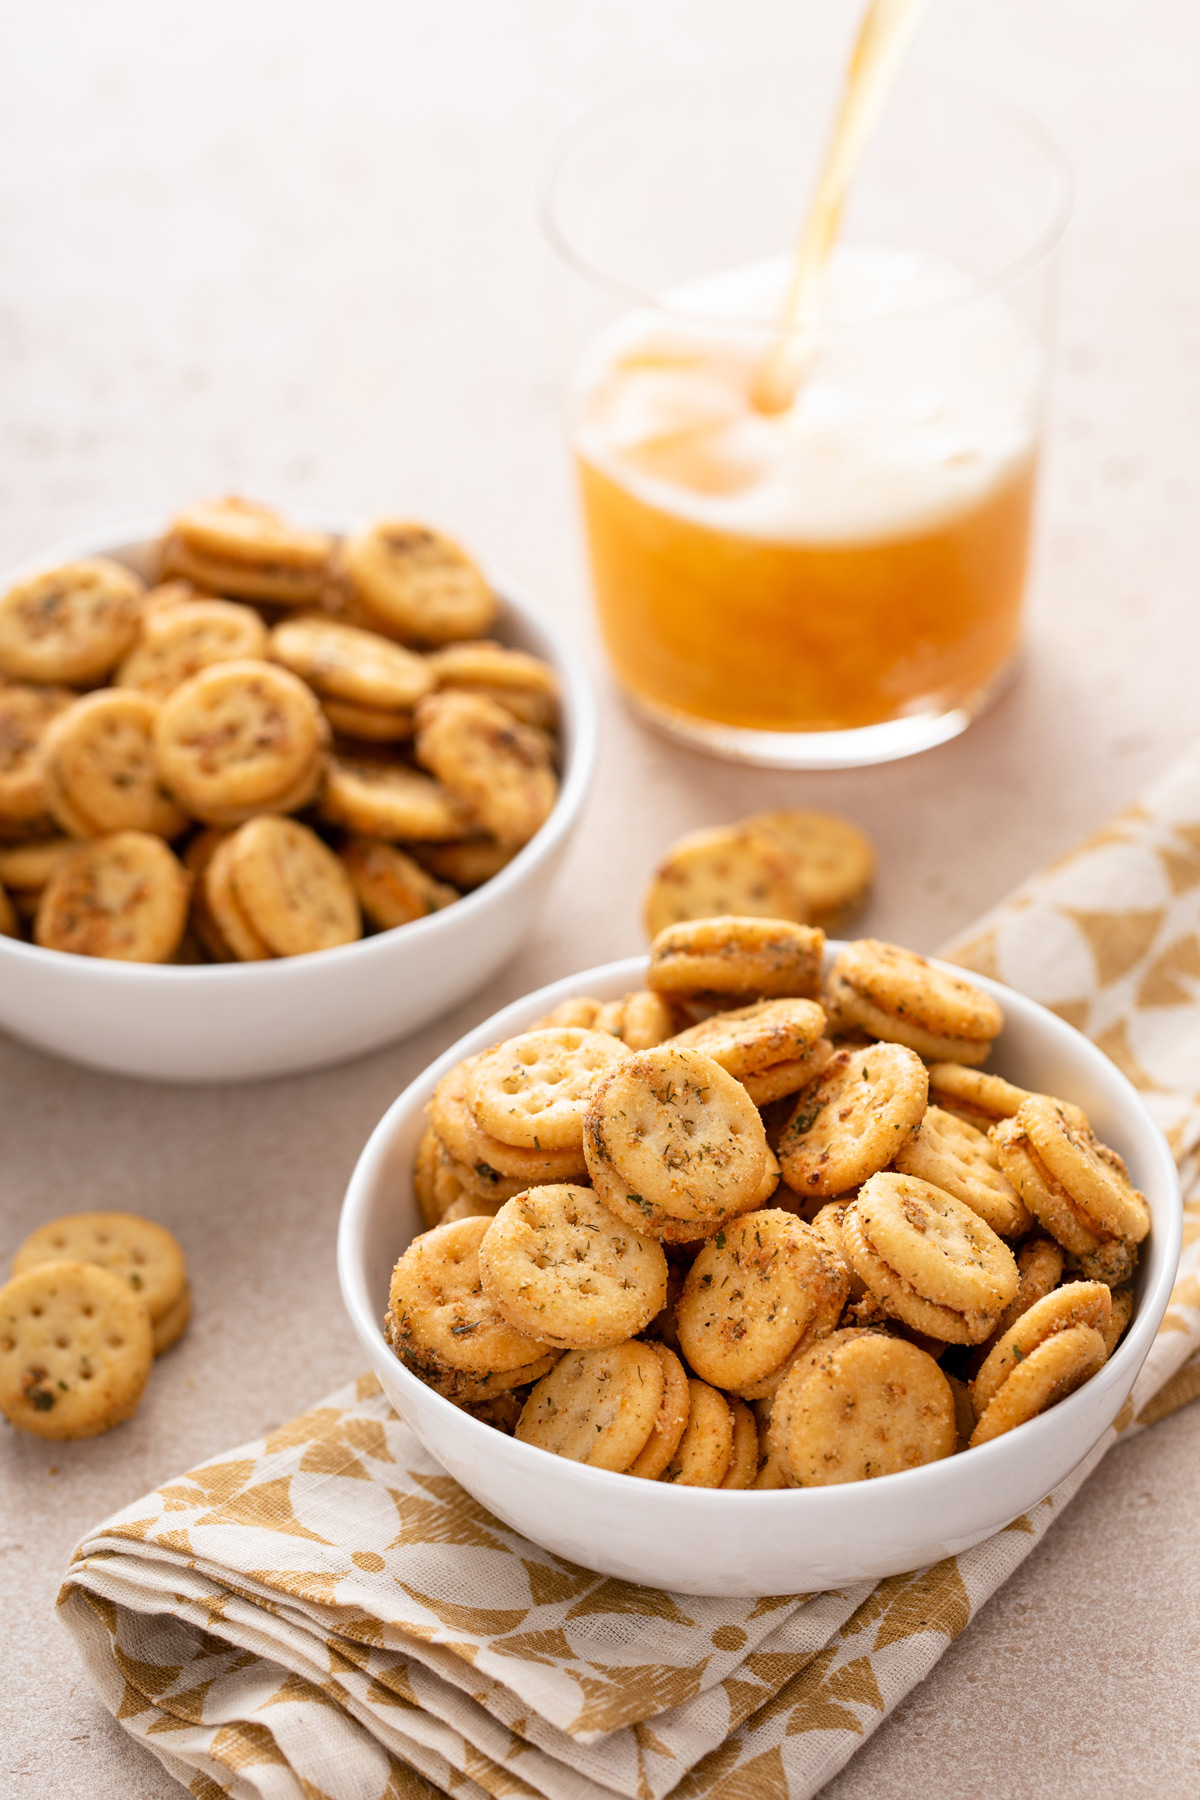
[857,559]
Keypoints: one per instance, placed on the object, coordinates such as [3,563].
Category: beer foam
[919,398]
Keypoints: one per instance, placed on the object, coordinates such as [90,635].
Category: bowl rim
[582,718]
[948,1470]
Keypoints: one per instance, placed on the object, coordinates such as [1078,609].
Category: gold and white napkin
[325,1613]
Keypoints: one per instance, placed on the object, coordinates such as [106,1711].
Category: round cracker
[392,888]
[1093,1175]
[123,897]
[442,1319]
[597,1406]
[900,996]
[761,1287]
[452,1117]
[835,862]
[499,768]
[854,1119]
[752,958]
[466,863]
[417,584]
[532,1090]
[729,869]
[954,1156]
[1051,1205]
[296,894]
[69,625]
[1057,1366]
[743,1460]
[680,1132]
[705,1451]
[75,1350]
[145,1256]
[750,1039]
[177,641]
[221,920]
[860,1405]
[342,662]
[380,797]
[670,1421]
[1075,1303]
[102,768]
[26,714]
[239,738]
[560,1267]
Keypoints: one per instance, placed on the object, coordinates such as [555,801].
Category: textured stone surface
[290,249]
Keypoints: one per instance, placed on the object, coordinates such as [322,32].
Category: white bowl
[700,1541]
[239,1021]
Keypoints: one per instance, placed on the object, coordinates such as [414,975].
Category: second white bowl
[695,1540]
[239,1021]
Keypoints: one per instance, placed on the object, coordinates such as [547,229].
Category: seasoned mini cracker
[680,1236]
[75,1350]
[240,548]
[466,862]
[524,684]
[954,1156]
[123,897]
[928,1259]
[859,1405]
[139,1252]
[532,1090]
[295,893]
[854,1119]
[705,1450]
[670,1421]
[70,625]
[902,997]
[240,738]
[417,584]
[222,922]
[1058,1365]
[760,1291]
[369,724]
[783,1079]
[1075,1303]
[1092,1174]
[641,1019]
[835,862]
[750,1039]
[976,1096]
[380,797]
[1113,1262]
[435,1183]
[678,1131]
[500,769]
[452,1116]
[560,1267]
[597,1406]
[392,889]
[442,1322]
[177,641]
[102,768]
[341,662]
[750,958]
[731,869]
[26,714]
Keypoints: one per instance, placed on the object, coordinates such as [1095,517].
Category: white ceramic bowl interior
[699,1541]
[240,1021]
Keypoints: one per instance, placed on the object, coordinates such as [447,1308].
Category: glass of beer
[841,581]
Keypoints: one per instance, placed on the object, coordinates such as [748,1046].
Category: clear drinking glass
[842,585]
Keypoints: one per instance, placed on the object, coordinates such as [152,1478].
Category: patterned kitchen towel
[326,1613]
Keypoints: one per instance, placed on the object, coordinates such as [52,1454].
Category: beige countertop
[289,249]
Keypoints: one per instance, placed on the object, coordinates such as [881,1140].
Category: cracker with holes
[523,684]
[238,739]
[340,662]
[757,1294]
[560,1267]
[928,1259]
[452,1115]
[705,1450]
[443,1326]
[854,1120]
[295,893]
[859,1405]
[956,1157]
[392,888]
[532,1090]
[1057,1365]
[904,998]
[239,548]
[746,958]
[598,1407]
[416,584]
[1075,1303]
[76,1348]
[750,1040]
[102,768]
[380,797]
[670,1422]
[177,641]
[730,869]
[145,1256]
[641,1019]
[834,860]
[678,1130]
[71,625]
[500,769]
[123,897]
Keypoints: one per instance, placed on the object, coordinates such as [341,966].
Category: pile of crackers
[94,1298]
[745,1229]
[157,744]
